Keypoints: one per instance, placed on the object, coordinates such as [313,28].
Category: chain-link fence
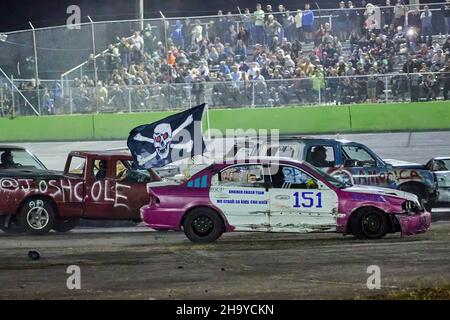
[308,91]
[91,53]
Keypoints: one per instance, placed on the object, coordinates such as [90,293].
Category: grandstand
[273,57]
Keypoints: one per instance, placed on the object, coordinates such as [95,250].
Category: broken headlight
[412,207]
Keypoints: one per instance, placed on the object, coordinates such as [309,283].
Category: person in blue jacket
[308,23]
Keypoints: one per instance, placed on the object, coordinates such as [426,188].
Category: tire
[65,225]
[369,223]
[419,192]
[37,216]
[203,225]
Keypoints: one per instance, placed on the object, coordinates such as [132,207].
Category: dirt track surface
[137,263]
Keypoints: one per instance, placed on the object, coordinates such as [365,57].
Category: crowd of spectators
[268,57]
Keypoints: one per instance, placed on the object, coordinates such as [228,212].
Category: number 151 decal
[308,200]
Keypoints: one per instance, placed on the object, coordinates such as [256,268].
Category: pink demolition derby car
[278,195]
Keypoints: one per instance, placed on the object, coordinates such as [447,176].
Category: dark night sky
[15,14]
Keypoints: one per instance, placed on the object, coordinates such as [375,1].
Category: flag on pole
[168,140]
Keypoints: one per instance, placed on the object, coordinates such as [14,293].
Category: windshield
[335,182]
[18,158]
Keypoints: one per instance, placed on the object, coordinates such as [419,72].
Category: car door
[129,190]
[365,167]
[99,198]
[300,203]
[239,192]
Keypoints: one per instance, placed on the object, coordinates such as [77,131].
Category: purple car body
[279,195]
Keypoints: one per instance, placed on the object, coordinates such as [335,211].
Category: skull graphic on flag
[152,145]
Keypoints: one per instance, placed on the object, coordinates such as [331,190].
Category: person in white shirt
[197,33]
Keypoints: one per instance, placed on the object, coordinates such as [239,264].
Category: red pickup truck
[94,185]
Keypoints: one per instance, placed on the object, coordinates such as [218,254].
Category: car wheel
[369,223]
[37,216]
[65,225]
[203,225]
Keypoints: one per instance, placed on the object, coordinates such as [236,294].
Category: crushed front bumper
[414,224]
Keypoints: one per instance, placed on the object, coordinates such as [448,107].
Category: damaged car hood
[404,164]
[382,191]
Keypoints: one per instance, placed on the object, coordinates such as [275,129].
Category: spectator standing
[445,74]
[289,26]
[342,21]
[372,88]
[57,94]
[387,14]
[298,25]
[187,31]
[308,23]
[414,85]
[399,14]
[318,84]
[177,34]
[272,29]
[248,23]
[445,9]
[197,33]
[279,16]
[425,18]
[414,20]
[259,15]
[269,11]
[352,17]
[48,102]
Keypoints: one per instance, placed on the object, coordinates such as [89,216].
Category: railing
[309,91]
[13,100]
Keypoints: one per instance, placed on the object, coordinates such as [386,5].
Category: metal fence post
[13,102]
[253,93]
[70,100]
[129,100]
[386,90]
[319,96]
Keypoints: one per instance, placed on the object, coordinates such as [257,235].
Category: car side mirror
[350,163]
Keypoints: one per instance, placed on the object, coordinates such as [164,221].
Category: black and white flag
[171,139]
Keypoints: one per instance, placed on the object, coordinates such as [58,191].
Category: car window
[76,166]
[288,177]
[441,165]
[356,156]
[243,175]
[11,158]
[321,156]
[283,149]
[126,173]
[99,169]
